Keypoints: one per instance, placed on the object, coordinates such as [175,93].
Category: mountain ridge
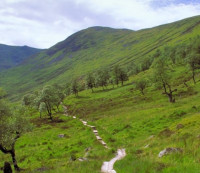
[94,48]
[11,56]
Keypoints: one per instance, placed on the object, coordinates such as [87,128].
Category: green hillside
[157,107]
[11,56]
[92,49]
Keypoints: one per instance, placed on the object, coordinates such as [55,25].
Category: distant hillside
[92,49]
[11,56]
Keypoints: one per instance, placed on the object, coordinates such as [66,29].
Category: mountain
[92,49]
[11,56]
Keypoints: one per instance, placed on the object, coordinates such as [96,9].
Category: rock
[7,168]
[151,137]
[88,149]
[81,159]
[179,126]
[168,151]
[95,131]
[98,138]
[61,135]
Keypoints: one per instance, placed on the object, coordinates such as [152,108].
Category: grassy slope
[92,49]
[124,118]
[128,119]
[11,56]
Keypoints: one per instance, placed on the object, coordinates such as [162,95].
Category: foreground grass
[43,151]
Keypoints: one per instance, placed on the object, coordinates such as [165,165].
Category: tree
[59,95]
[162,76]
[123,76]
[146,63]
[194,64]
[42,108]
[90,81]
[112,81]
[12,125]
[119,75]
[48,97]
[102,78]
[116,72]
[141,85]
[75,87]
[28,100]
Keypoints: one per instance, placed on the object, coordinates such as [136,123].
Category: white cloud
[44,23]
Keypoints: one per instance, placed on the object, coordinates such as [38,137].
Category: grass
[42,149]
[125,118]
[144,125]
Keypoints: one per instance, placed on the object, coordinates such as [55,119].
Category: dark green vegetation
[139,89]
[13,124]
[11,56]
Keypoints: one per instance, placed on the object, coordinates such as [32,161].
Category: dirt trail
[107,167]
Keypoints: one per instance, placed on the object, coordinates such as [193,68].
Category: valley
[105,95]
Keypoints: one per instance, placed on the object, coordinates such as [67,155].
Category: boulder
[61,135]
[167,151]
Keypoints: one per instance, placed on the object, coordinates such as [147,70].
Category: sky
[43,23]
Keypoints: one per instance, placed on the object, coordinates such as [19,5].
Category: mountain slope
[11,56]
[92,49]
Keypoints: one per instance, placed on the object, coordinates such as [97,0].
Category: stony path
[95,131]
[107,167]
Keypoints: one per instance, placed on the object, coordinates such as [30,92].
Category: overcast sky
[43,23]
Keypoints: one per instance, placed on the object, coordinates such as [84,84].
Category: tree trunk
[193,76]
[12,152]
[7,168]
[171,99]
[50,116]
[185,84]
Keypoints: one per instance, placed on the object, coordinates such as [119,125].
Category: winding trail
[95,131]
[107,167]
